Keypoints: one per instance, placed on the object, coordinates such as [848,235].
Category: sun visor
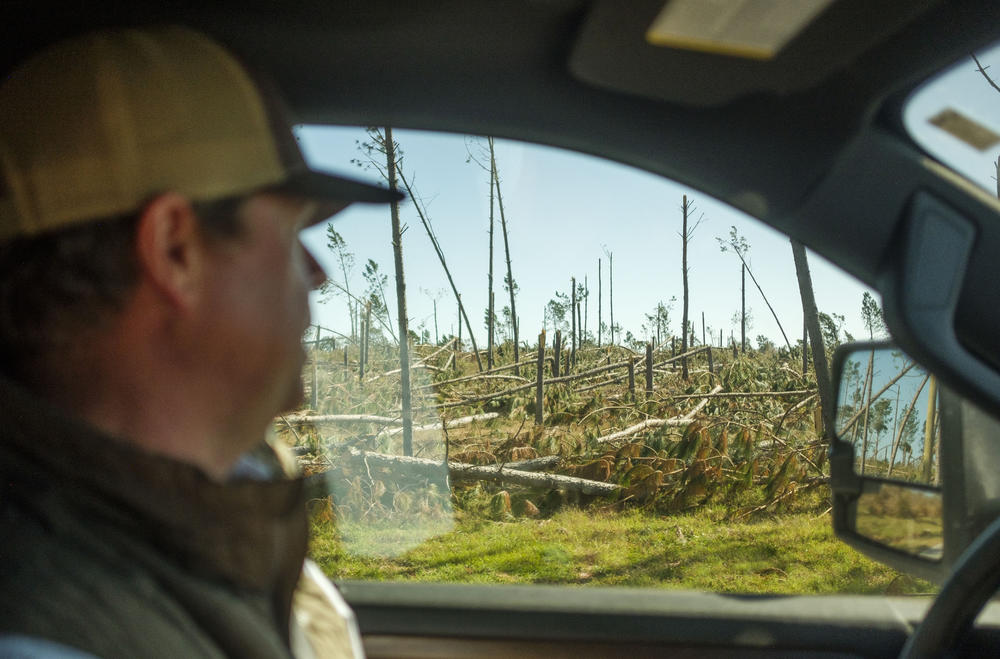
[711,52]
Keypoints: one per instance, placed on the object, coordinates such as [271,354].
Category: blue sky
[566,210]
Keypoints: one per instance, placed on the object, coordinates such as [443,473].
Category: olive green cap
[96,126]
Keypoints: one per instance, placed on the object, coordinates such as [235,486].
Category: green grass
[793,553]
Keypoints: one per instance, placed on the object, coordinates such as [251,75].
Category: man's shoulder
[70,590]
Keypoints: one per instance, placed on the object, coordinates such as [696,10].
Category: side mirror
[913,466]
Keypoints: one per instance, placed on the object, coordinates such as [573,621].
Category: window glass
[701,468]
[956,117]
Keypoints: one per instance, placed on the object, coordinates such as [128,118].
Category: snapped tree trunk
[684,273]
[631,378]
[489,350]
[743,309]
[556,353]
[489,290]
[539,378]
[600,284]
[315,373]
[611,294]
[572,312]
[404,336]
[774,314]
[868,407]
[579,325]
[927,464]
[805,345]
[366,334]
[815,335]
[649,370]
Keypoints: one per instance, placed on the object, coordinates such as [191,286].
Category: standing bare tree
[687,230]
[815,334]
[572,311]
[397,253]
[741,248]
[345,259]
[743,308]
[381,143]
[490,316]
[611,291]
[600,322]
[509,279]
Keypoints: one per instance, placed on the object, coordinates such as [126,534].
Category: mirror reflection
[887,407]
[903,517]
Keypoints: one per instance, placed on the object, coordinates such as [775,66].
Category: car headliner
[797,141]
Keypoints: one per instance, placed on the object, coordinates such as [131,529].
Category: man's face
[257,308]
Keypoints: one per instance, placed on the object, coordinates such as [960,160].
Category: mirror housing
[960,476]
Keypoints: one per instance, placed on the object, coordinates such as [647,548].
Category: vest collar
[251,533]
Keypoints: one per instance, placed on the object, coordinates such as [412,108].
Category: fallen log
[479,399]
[535,464]
[620,378]
[689,353]
[603,383]
[747,394]
[507,392]
[530,479]
[530,361]
[461,471]
[532,464]
[452,423]
[659,423]
[437,352]
[427,367]
[484,376]
[492,375]
[339,418]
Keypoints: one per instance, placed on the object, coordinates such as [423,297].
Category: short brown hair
[56,284]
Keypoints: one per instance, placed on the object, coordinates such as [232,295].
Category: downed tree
[422,363]
[659,423]
[535,464]
[620,378]
[557,380]
[452,423]
[525,387]
[492,375]
[747,394]
[461,471]
[338,418]
[413,367]
[437,352]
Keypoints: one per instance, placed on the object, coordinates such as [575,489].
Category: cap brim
[335,193]
[327,187]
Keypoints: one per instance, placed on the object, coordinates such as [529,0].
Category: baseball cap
[95,126]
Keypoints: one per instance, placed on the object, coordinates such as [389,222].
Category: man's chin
[296,397]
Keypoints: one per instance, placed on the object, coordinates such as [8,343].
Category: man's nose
[316,273]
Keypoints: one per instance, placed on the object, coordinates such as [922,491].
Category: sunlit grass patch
[784,554]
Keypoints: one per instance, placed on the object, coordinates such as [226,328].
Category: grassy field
[727,493]
[784,554]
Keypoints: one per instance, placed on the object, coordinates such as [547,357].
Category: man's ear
[170,249]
